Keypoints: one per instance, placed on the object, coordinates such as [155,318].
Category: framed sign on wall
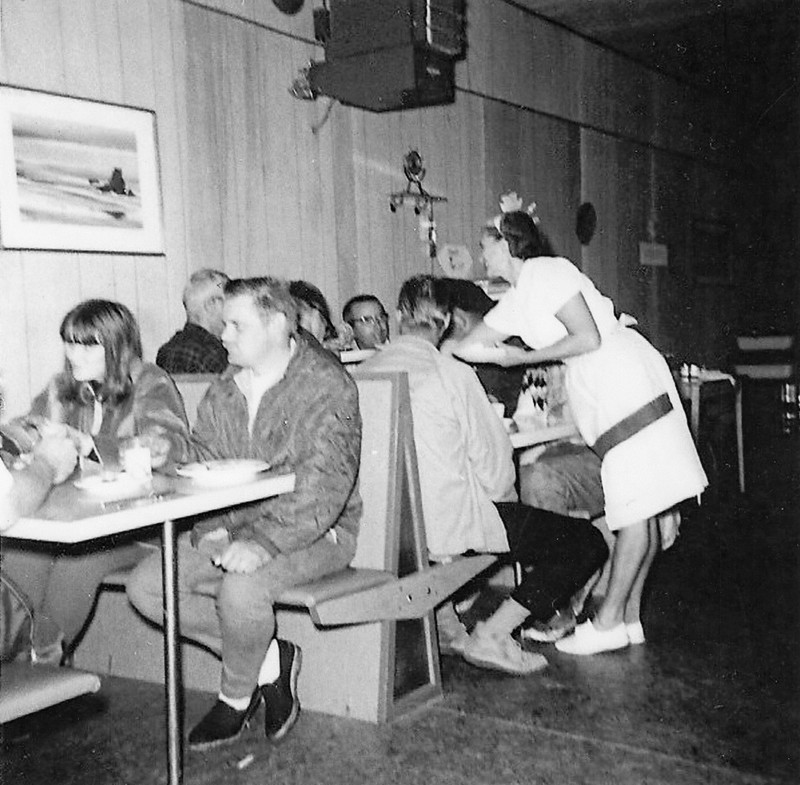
[77,175]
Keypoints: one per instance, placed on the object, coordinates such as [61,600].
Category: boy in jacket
[286,401]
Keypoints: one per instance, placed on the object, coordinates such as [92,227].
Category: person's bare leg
[630,551]
[632,613]
[597,586]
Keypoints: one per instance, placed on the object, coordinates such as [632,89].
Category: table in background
[69,515]
[530,437]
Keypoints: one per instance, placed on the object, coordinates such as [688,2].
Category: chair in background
[768,361]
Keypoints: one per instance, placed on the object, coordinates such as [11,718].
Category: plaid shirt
[193,350]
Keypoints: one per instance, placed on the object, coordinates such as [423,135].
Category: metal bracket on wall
[419,201]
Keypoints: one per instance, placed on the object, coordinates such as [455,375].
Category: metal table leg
[739,435]
[169,561]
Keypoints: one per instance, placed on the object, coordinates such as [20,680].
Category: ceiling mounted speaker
[288,6]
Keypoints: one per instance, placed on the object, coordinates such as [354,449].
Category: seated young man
[285,400]
[467,485]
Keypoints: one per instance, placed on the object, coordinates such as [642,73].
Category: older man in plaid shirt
[197,348]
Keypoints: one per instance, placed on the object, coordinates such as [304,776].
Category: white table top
[70,515]
[550,433]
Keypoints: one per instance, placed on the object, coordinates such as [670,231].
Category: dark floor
[713,697]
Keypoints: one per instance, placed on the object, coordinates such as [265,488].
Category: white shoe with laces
[500,652]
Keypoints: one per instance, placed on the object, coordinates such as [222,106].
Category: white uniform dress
[656,467]
[6,483]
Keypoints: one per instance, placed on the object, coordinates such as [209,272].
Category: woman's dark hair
[307,293]
[112,326]
[525,239]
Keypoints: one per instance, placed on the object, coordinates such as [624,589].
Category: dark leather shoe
[281,706]
[222,724]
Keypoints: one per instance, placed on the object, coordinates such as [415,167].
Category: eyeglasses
[369,321]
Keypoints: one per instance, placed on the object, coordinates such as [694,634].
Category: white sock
[271,667]
[240,704]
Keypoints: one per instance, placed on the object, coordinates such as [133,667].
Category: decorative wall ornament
[77,175]
[419,199]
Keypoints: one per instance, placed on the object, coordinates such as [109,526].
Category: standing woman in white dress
[621,394]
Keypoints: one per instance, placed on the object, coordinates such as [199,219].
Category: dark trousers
[559,553]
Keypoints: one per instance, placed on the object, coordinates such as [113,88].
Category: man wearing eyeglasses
[197,348]
[368,319]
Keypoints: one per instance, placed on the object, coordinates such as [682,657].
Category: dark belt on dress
[632,424]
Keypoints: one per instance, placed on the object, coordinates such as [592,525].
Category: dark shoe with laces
[281,705]
[223,724]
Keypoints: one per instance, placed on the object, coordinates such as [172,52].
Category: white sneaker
[501,653]
[635,633]
[587,639]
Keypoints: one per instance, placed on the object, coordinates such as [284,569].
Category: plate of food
[222,472]
[112,485]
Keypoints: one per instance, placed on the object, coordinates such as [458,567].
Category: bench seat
[26,688]
[368,632]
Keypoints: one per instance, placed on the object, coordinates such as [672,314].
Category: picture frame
[78,175]
[712,260]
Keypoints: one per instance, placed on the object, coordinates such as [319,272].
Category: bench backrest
[392,530]
[192,387]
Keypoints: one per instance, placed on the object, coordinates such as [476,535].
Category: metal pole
[169,562]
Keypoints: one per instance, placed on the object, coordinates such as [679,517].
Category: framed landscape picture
[77,175]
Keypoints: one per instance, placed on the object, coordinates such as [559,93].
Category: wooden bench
[368,632]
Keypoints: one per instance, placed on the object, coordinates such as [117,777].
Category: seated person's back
[197,348]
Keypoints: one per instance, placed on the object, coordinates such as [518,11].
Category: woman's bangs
[80,331]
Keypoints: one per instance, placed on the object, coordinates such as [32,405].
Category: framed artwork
[77,175]
[711,250]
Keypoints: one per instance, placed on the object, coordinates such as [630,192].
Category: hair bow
[510,202]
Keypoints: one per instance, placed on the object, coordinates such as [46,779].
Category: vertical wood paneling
[166,30]
[343,181]
[109,52]
[248,188]
[15,372]
[80,50]
[32,45]
[600,185]
[50,289]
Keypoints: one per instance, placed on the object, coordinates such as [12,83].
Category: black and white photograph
[400,392]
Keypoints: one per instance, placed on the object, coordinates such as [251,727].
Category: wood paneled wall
[254,181]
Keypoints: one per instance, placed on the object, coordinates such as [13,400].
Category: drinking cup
[135,458]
